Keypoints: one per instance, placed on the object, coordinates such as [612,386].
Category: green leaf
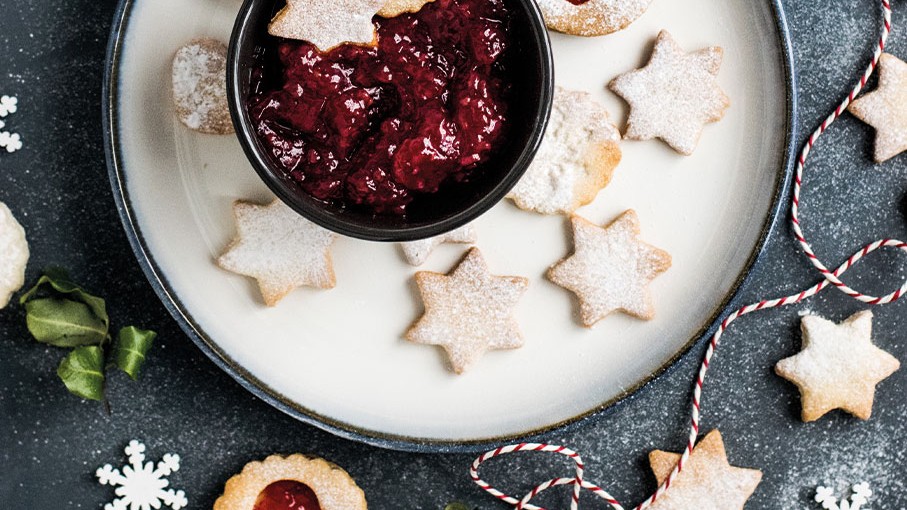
[82,371]
[456,506]
[64,323]
[131,346]
[56,283]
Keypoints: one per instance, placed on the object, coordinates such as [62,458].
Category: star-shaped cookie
[417,252]
[610,269]
[839,367]
[674,95]
[280,249]
[327,23]
[707,481]
[885,108]
[469,311]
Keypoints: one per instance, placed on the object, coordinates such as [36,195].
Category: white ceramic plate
[336,358]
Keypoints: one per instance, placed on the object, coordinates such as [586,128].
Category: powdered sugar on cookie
[610,269]
[327,23]
[333,486]
[707,481]
[839,367]
[394,8]
[13,255]
[280,249]
[595,17]
[674,95]
[469,311]
[200,86]
[417,252]
[885,108]
[576,159]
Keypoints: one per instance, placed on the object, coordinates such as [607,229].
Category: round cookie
[200,86]
[305,479]
[591,17]
[576,159]
[13,255]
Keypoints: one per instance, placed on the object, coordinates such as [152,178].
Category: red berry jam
[577,2]
[378,127]
[287,495]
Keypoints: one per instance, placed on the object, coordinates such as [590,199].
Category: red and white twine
[830,278]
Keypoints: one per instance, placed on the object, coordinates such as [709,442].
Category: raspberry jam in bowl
[408,138]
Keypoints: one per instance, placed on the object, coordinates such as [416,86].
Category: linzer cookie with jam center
[591,17]
[372,128]
[295,482]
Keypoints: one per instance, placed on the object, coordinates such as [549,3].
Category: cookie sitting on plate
[469,311]
[674,96]
[591,17]
[576,159]
[610,269]
[199,77]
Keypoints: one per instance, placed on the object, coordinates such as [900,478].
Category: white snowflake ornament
[8,105]
[141,485]
[859,497]
[9,141]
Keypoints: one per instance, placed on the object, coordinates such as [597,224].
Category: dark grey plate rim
[185,320]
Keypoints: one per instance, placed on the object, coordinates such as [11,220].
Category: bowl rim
[307,208]
[164,291]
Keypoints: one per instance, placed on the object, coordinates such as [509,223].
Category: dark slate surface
[51,56]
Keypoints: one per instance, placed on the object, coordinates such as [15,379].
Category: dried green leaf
[64,323]
[132,345]
[56,283]
[82,371]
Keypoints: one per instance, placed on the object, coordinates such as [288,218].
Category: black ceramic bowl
[531,69]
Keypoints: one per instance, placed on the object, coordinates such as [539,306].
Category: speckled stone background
[52,56]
